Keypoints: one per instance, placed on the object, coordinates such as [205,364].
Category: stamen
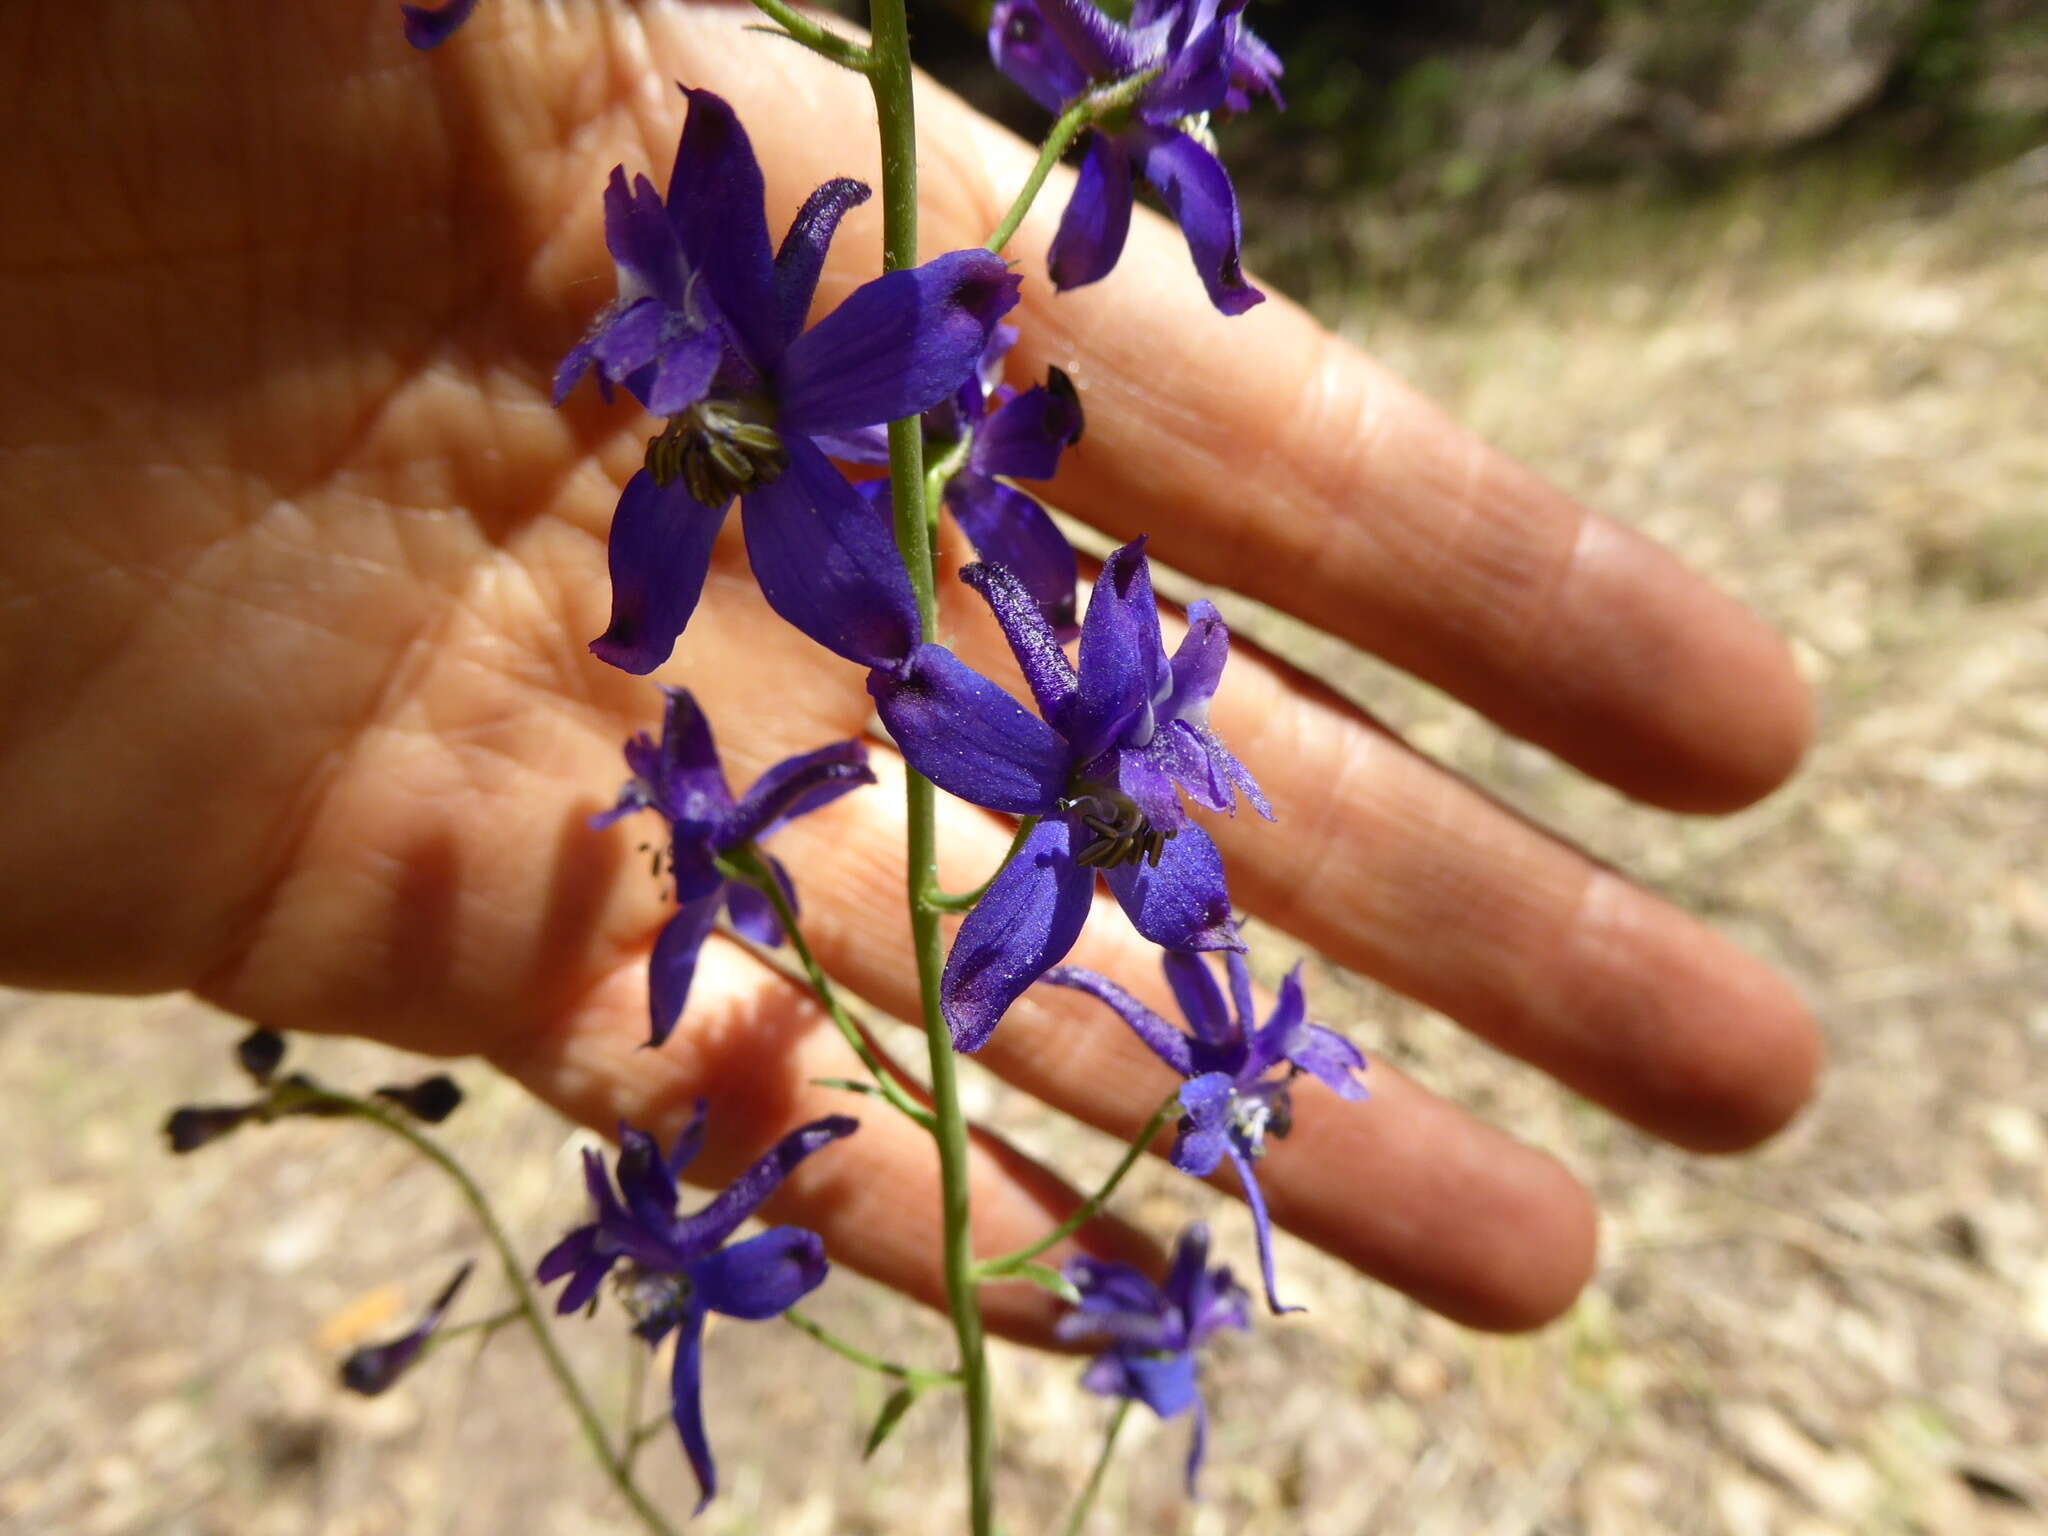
[1123,833]
[716,451]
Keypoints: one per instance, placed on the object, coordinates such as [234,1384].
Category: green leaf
[891,1415]
[1046,1278]
[847,1085]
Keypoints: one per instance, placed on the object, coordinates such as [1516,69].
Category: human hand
[301,567]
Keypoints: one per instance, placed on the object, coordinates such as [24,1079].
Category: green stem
[1087,1500]
[483,1325]
[904,1373]
[746,864]
[963,901]
[1010,1263]
[890,77]
[515,1276]
[630,1438]
[799,28]
[1082,112]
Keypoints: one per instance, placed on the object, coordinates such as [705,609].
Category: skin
[295,709]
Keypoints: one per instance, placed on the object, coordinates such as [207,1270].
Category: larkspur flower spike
[671,1270]
[708,332]
[1232,1098]
[1153,1331]
[1203,60]
[1115,744]
[680,779]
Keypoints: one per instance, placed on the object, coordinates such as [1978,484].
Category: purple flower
[429,26]
[1233,1102]
[708,331]
[680,779]
[1153,1331]
[1118,742]
[373,1368]
[1207,61]
[1017,435]
[676,1269]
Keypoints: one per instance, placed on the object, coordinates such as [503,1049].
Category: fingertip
[1545,1259]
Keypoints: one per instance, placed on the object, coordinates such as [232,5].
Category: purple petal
[1197,665]
[685,363]
[1201,1000]
[715,1223]
[1033,639]
[1106,1287]
[1026,923]
[674,963]
[1098,217]
[1101,47]
[715,197]
[1262,1227]
[1163,1383]
[968,736]
[1198,194]
[575,1255]
[645,1180]
[762,1277]
[1107,1376]
[689,1140]
[1025,436]
[796,786]
[1143,775]
[1225,767]
[1190,1264]
[898,345]
[1255,70]
[430,26]
[1164,1041]
[1196,78]
[827,562]
[1009,529]
[1204,1139]
[1121,656]
[1031,54]
[643,243]
[1240,975]
[1330,1059]
[686,1404]
[859,445]
[689,779]
[802,256]
[1183,902]
[659,551]
[753,915]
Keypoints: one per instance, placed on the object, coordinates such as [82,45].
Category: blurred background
[1765,278]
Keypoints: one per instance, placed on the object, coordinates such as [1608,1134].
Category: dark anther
[1122,836]
[260,1051]
[717,452]
[432,1099]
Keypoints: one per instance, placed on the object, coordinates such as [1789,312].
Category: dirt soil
[1844,422]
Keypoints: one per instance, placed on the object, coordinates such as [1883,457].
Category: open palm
[300,567]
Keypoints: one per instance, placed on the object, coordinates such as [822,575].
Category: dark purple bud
[374,1367]
[260,1052]
[194,1125]
[432,1099]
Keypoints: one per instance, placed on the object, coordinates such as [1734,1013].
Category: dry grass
[1846,1333]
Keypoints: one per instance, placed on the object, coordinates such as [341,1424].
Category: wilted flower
[375,1367]
[1206,61]
[1154,1330]
[1232,1099]
[708,331]
[673,1270]
[680,779]
[432,1099]
[1118,742]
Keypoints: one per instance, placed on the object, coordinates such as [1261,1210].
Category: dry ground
[1843,421]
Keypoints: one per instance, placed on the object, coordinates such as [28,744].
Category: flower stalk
[1010,1264]
[890,77]
[1083,112]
